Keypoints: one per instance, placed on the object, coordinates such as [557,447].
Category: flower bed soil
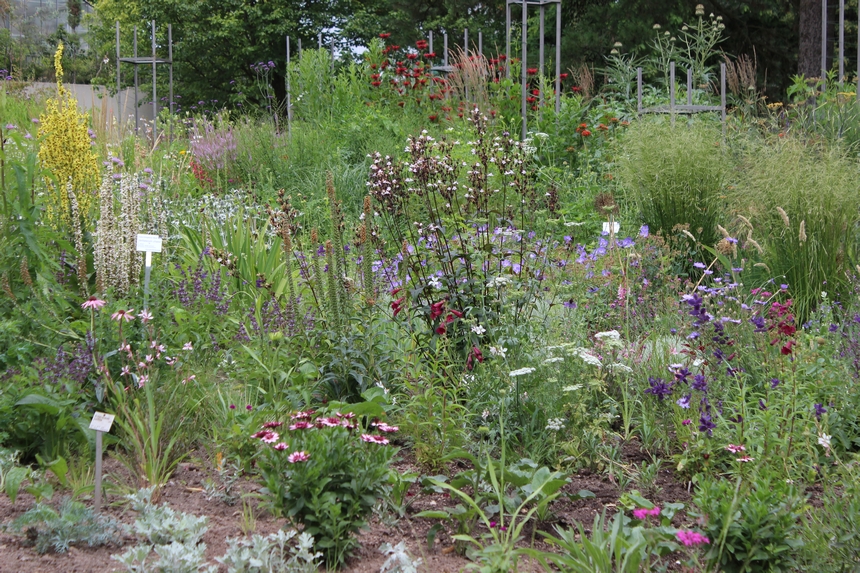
[184,492]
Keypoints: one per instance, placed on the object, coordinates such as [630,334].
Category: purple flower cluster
[198,288]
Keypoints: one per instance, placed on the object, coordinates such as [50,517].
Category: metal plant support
[542,5]
[145,61]
[840,46]
[673,108]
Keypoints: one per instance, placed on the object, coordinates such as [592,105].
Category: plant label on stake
[147,244]
[101,423]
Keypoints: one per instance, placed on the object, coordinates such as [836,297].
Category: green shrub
[326,475]
[753,526]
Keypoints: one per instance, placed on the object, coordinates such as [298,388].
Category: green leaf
[14,478]
[433,514]
[41,404]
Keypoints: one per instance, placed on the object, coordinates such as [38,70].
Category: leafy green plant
[149,455]
[504,499]
[72,524]
[754,526]
[326,474]
[612,548]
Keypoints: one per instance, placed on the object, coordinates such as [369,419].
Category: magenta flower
[93,303]
[642,513]
[329,422]
[298,457]
[302,415]
[270,437]
[691,538]
[301,426]
[280,446]
[735,449]
[126,315]
[745,459]
[370,438]
[272,425]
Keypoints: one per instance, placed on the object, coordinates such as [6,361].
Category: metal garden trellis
[152,60]
[673,108]
[840,44]
[542,5]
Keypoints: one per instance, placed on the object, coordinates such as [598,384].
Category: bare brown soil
[184,493]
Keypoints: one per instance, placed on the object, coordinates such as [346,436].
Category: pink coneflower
[691,538]
[301,426]
[273,424]
[145,316]
[126,315]
[735,449]
[93,303]
[270,437]
[329,422]
[370,438]
[281,446]
[298,457]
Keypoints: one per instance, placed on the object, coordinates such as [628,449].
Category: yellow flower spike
[66,150]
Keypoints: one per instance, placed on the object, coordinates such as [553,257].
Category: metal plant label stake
[101,423]
[147,244]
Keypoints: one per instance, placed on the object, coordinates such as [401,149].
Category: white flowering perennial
[610,337]
[498,281]
[618,367]
[553,360]
[521,372]
[499,351]
[587,356]
[555,424]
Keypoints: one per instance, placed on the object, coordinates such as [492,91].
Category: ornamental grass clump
[675,177]
[805,204]
[66,149]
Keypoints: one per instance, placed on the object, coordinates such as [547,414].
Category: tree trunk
[809,58]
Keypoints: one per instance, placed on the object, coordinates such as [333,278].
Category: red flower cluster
[385,35]
[397,305]
[421,44]
[531,71]
[474,355]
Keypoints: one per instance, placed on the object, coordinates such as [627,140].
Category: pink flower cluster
[735,449]
[642,513]
[691,538]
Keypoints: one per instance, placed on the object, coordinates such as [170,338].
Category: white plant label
[606,227]
[148,243]
[101,422]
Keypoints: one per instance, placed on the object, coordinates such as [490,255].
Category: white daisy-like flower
[478,329]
